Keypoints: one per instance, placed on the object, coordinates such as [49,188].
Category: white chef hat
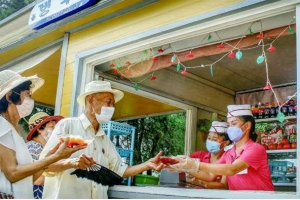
[219,127]
[239,110]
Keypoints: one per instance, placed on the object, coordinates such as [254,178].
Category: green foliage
[37,108]
[204,125]
[153,134]
[8,7]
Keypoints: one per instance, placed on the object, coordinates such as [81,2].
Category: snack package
[75,141]
[290,130]
[272,138]
[168,160]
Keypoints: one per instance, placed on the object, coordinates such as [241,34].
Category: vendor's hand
[193,181]
[186,164]
[82,162]
[155,163]
[196,181]
[202,183]
[61,151]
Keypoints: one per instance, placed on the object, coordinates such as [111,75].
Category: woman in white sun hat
[245,164]
[216,142]
[17,171]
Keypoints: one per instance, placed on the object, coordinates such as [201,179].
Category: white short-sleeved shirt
[62,185]
[12,140]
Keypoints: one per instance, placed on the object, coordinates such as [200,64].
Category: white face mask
[49,132]
[46,137]
[26,107]
[105,115]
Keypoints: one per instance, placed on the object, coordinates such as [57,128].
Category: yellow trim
[153,16]
[59,33]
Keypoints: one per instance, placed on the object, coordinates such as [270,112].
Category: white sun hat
[10,79]
[96,87]
[219,127]
[239,110]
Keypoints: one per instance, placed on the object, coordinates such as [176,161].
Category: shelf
[116,128]
[286,176]
[274,119]
[282,154]
[284,184]
[291,175]
[281,151]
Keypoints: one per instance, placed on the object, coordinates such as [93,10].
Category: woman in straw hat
[41,126]
[17,171]
[217,141]
[245,165]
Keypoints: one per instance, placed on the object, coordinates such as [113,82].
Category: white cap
[220,127]
[239,110]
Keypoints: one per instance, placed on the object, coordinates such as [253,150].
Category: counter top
[158,192]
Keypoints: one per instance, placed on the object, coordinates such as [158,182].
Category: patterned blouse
[35,150]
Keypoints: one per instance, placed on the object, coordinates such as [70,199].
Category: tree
[8,7]
[166,133]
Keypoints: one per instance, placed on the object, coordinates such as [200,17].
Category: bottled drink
[261,110]
[255,111]
[291,109]
[284,109]
[273,110]
[277,109]
[267,110]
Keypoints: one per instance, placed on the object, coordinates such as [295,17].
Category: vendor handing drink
[245,164]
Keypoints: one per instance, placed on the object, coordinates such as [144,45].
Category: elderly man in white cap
[98,101]
[245,164]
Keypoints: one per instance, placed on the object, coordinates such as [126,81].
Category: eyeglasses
[30,92]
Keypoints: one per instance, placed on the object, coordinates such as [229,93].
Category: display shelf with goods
[116,129]
[274,119]
[280,141]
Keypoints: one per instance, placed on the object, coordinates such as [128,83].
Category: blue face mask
[234,133]
[212,146]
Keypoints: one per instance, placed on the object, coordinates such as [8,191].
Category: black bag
[6,196]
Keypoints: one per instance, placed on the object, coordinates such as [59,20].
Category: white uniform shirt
[62,185]
[12,140]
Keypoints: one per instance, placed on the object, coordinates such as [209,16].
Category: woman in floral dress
[41,126]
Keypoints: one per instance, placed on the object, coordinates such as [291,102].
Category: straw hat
[10,79]
[239,110]
[37,120]
[96,87]
[219,127]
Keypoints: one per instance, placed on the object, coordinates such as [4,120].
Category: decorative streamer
[233,53]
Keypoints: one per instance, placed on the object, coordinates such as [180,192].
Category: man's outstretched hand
[155,163]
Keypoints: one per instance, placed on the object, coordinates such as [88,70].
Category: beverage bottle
[284,109]
[255,111]
[267,110]
[273,110]
[291,109]
[261,110]
[277,108]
